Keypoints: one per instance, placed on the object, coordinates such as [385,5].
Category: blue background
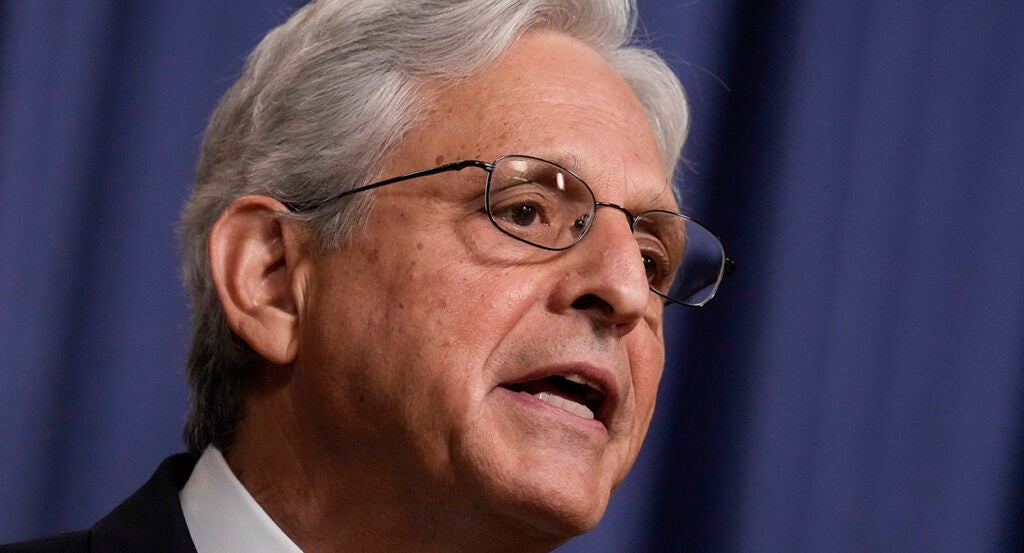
[857,386]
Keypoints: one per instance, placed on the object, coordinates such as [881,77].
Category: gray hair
[323,100]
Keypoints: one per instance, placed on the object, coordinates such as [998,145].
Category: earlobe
[253,254]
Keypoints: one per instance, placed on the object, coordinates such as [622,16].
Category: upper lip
[598,378]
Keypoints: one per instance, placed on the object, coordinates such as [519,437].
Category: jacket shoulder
[150,521]
[71,542]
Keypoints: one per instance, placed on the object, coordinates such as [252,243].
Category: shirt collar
[221,514]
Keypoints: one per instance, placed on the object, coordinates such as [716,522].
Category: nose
[606,279]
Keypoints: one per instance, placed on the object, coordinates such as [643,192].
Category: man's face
[426,341]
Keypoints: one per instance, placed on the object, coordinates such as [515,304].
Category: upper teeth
[568,405]
[582,381]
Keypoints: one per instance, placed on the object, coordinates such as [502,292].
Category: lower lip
[556,415]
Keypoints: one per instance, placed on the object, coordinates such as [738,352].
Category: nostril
[591,302]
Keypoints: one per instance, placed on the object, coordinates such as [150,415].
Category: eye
[661,237]
[522,215]
[539,203]
[654,269]
[658,264]
[525,204]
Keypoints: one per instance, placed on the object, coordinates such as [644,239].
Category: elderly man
[429,249]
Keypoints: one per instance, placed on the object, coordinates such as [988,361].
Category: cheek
[440,318]
[473,285]
[647,361]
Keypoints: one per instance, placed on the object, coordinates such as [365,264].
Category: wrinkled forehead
[644,191]
[552,97]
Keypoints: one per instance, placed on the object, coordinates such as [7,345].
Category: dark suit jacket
[150,521]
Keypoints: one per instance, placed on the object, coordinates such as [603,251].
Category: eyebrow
[572,162]
[653,199]
[656,197]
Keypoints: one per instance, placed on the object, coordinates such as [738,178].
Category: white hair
[323,100]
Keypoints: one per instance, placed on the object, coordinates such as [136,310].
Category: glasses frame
[728,265]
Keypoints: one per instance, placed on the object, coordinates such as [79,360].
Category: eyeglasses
[545,205]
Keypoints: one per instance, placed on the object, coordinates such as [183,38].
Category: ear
[253,256]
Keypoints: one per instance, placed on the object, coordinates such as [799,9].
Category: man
[429,249]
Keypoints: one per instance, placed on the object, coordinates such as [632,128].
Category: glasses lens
[684,260]
[539,202]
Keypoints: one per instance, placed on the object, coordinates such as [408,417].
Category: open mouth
[570,392]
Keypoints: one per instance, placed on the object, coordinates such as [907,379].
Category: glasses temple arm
[729,268]
[453,166]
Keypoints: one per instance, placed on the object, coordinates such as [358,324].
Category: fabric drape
[856,386]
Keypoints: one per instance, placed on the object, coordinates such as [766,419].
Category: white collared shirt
[221,515]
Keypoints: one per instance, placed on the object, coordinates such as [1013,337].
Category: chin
[559,508]
[545,477]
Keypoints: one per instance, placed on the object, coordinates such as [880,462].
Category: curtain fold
[856,386]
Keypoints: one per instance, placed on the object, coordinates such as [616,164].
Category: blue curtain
[857,386]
